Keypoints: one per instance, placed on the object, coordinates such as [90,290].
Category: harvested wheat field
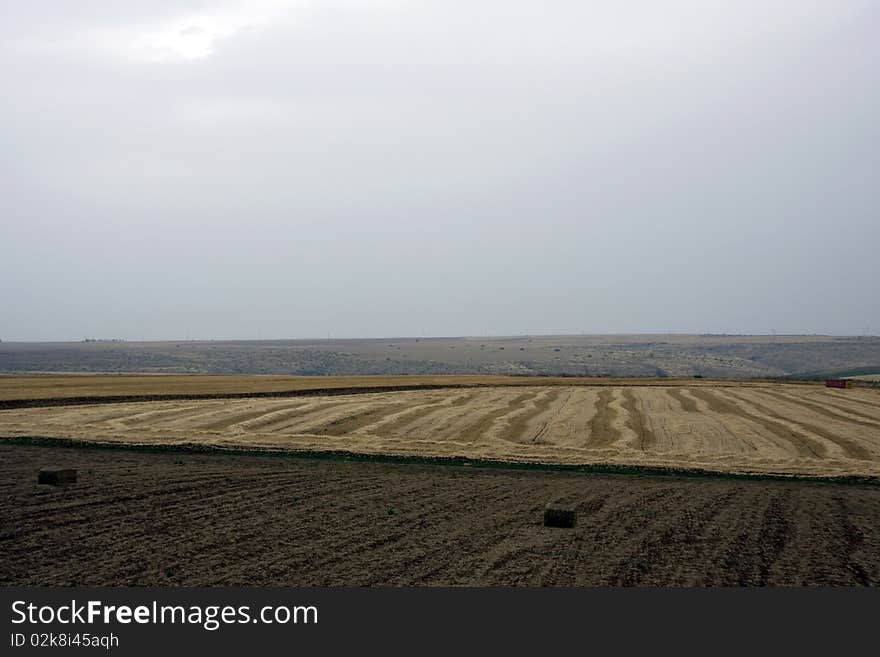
[785,429]
[166,519]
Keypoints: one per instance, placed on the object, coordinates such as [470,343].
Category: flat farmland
[103,387]
[749,428]
[171,519]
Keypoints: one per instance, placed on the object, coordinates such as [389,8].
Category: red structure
[836,383]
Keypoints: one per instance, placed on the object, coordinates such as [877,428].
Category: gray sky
[384,167]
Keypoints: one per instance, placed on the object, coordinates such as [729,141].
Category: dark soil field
[166,518]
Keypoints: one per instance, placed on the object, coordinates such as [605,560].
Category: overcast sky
[390,167]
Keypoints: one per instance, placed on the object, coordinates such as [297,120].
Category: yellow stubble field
[717,426]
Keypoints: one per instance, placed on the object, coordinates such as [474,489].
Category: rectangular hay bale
[560,515]
[56,476]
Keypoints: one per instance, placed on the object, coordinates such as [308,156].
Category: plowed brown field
[137,518]
[788,429]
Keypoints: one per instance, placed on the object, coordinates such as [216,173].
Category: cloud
[178,32]
[194,37]
[599,150]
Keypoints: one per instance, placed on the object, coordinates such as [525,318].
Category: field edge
[447,461]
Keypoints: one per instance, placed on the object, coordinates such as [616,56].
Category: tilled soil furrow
[458,534]
[775,533]
[373,518]
[650,523]
[391,530]
[668,540]
[854,540]
[586,555]
[198,516]
[756,541]
[205,519]
[483,544]
[502,563]
[115,507]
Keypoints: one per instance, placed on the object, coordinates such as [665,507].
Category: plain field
[266,513]
[769,428]
[170,519]
[64,386]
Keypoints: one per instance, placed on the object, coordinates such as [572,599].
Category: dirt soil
[164,518]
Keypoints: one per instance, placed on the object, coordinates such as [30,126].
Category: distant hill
[723,356]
